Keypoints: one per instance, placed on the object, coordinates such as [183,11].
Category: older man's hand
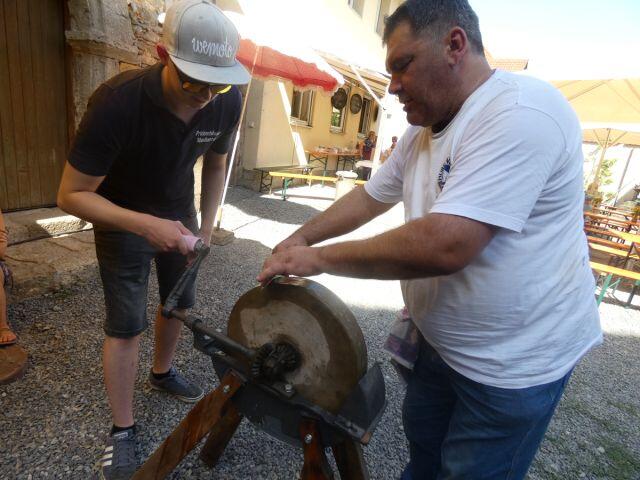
[296,260]
[295,240]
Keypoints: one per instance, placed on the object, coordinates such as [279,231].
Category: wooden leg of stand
[350,460]
[316,466]
[190,431]
[220,435]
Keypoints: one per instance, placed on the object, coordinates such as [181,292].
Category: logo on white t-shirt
[444,173]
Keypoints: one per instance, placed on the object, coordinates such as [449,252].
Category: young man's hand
[300,261]
[166,235]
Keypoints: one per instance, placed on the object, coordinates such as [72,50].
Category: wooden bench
[607,243]
[618,252]
[266,179]
[597,231]
[288,177]
[611,272]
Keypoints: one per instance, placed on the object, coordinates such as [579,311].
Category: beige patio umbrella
[603,100]
[609,110]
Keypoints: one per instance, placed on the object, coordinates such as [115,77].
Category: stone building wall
[146,30]
[106,37]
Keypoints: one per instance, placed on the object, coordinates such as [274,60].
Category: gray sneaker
[119,459]
[176,385]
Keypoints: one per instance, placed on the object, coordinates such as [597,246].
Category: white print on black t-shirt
[206,136]
[212,48]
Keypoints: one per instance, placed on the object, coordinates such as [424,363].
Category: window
[383,14]
[357,5]
[365,117]
[338,116]
[302,107]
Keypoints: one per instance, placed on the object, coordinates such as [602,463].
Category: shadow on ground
[264,207]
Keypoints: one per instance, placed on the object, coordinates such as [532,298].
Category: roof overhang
[371,80]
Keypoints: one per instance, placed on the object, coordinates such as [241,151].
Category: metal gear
[272,361]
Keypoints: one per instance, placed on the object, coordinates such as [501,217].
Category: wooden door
[33,117]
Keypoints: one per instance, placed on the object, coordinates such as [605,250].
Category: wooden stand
[216,415]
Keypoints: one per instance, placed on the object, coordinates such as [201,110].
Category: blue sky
[565,38]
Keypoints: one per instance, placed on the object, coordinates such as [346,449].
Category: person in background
[366,152]
[387,153]
[367,146]
[130,173]
[7,336]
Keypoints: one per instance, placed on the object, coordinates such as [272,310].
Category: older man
[492,258]
[130,172]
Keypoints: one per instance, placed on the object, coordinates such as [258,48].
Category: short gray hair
[437,17]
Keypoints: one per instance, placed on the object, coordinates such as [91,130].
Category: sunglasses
[195,86]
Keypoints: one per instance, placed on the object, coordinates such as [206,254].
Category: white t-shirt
[523,312]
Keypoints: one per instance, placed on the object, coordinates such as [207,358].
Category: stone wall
[146,29]
[107,37]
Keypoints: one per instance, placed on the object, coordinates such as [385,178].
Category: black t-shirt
[145,152]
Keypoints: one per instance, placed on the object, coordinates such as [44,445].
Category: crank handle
[194,244]
[197,246]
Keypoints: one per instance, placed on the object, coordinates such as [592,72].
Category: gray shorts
[125,262]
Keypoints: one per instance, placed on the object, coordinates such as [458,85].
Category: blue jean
[125,263]
[461,429]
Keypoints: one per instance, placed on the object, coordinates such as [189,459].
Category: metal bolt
[308,438]
[226,389]
[288,388]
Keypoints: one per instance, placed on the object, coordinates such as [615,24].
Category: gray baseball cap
[202,42]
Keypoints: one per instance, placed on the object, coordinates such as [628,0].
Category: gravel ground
[54,420]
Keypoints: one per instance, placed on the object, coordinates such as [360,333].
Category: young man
[493,260]
[130,173]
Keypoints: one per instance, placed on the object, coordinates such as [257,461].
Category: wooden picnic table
[626,216]
[616,209]
[610,213]
[266,180]
[606,242]
[631,241]
[628,237]
[611,251]
[611,272]
[287,177]
[322,156]
[596,231]
[626,225]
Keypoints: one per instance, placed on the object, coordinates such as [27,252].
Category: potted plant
[596,200]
